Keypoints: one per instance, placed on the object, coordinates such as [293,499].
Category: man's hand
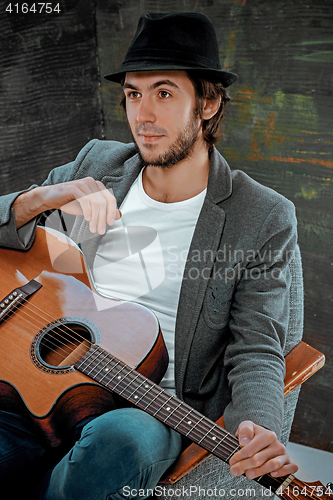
[261,453]
[86,197]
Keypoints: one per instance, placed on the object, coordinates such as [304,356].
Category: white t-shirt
[142,257]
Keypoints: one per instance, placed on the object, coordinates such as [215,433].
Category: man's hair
[207,89]
[204,89]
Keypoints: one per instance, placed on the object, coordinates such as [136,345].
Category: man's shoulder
[257,196]
[235,190]
[101,157]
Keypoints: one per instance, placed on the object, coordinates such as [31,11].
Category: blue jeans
[121,454]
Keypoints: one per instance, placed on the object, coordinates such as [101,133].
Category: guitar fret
[119,377]
[144,395]
[106,369]
[162,407]
[135,390]
[88,359]
[205,435]
[88,373]
[185,416]
[216,430]
[133,376]
[173,411]
[218,444]
[232,453]
[194,426]
[149,404]
[137,376]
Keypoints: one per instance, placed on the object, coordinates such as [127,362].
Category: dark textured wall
[50,100]
[278,127]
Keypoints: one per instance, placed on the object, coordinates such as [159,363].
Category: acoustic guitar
[67,353]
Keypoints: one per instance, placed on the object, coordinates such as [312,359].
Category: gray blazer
[233,308]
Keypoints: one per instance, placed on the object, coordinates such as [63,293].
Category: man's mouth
[150,138]
[150,133]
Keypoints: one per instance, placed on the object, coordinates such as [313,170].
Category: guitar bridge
[13,300]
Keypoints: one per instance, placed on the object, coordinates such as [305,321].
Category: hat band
[173,56]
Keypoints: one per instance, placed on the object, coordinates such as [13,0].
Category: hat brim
[225,77]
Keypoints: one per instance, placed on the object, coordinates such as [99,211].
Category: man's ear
[210,108]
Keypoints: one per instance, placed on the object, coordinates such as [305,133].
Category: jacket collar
[122,184]
[219,185]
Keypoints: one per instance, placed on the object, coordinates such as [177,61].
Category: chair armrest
[301,363]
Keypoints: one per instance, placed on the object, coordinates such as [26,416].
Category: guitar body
[42,338]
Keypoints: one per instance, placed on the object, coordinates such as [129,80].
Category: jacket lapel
[207,236]
[121,185]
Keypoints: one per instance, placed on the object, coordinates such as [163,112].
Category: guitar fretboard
[119,378]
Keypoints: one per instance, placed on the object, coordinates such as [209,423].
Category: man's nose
[146,111]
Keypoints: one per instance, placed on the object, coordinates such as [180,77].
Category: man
[223,312]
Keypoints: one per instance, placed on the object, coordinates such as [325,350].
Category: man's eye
[133,95]
[164,94]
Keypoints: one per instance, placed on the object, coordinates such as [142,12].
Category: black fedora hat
[185,41]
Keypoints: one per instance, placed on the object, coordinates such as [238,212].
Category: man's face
[160,108]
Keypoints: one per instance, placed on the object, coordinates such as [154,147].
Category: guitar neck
[119,378]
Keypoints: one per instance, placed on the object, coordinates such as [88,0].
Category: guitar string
[71,334]
[78,337]
[66,332]
[57,348]
[34,319]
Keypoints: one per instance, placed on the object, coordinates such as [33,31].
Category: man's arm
[259,321]
[255,360]
[27,206]
[86,197]
[16,209]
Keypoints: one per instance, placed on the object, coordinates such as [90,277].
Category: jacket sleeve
[23,239]
[259,324]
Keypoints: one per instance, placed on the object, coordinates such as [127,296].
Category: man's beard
[181,148]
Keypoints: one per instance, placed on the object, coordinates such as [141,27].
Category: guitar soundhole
[62,343]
